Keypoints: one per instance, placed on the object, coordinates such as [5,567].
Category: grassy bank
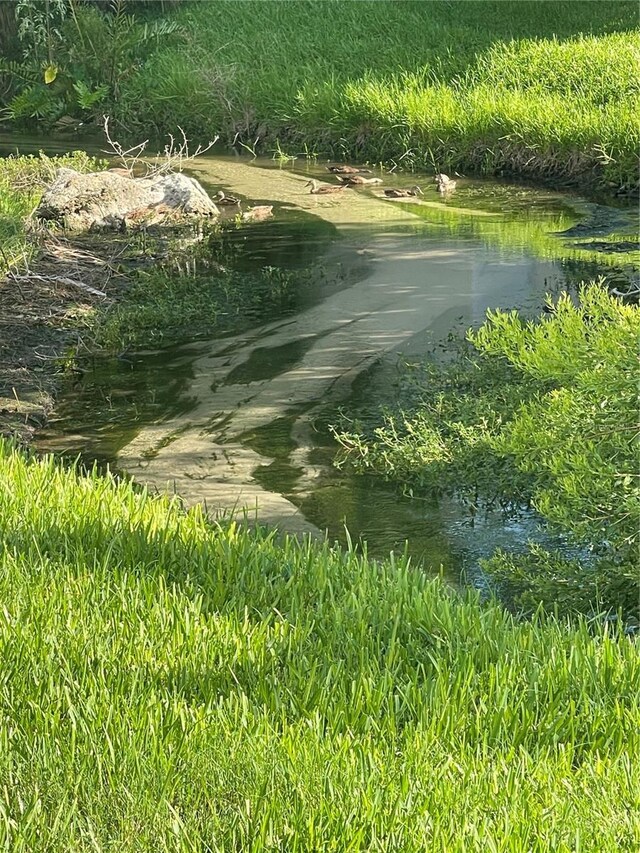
[540,89]
[22,182]
[172,686]
[541,413]
[37,322]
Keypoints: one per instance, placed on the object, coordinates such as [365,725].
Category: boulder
[112,201]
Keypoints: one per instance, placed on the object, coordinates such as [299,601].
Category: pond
[239,422]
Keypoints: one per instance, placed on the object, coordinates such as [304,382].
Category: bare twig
[52,279]
[176,153]
[128,157]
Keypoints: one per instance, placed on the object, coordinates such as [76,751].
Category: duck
[358,180]
[317,189]
[444,183]
[412,191]
[230,200]
[257,213]
[347,170]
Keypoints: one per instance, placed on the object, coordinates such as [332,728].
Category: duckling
[257,213]
[230,200]
[444,183]
[358,180]
[318,189]
[395,193]
[347,170]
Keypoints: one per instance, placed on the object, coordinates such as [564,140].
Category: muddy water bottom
[238,422]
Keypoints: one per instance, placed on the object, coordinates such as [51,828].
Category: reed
[172,684]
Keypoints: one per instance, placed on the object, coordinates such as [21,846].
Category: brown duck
[324,189]
[230,200]
[358,180]
[395,193]
[347,170]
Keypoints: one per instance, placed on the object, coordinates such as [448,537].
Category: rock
[111,201]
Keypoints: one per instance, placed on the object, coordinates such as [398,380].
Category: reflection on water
[236,419]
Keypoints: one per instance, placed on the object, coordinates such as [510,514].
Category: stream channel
[239,421]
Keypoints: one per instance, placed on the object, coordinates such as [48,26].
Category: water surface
[238,422]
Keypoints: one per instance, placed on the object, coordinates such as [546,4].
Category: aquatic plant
[183,300]
[172,684]
[543,411]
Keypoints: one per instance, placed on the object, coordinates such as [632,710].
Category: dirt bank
[39,312]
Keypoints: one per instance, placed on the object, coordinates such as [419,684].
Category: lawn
[548,90]
[172,685]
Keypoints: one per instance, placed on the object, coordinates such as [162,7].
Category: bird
[257,213]
[230,200]
[444,183]
[347,170]
[317,189]
[395,193]
[358,180]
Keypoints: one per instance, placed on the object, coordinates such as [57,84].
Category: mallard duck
[255,214]
[395,193]
[318,189]
[444,183]
[358,180]
[347,170]
[230,200]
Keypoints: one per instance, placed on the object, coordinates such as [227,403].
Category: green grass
[541,89]
[173,302]
[22,181]
[537,412]
[167,685]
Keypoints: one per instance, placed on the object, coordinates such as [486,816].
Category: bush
[544,409]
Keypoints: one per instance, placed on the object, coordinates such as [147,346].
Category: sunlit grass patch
[545,90]
[169,684]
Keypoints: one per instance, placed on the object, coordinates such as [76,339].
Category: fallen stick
[51,279]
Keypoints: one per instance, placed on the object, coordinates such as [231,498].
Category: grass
[171,685]
[22,181]
[541,89]
[497,426]
[174,303]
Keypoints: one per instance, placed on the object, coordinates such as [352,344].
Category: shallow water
[237,422]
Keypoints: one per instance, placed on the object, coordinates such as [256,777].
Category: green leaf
[50,74]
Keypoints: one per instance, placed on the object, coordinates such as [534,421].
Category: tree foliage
[75,57]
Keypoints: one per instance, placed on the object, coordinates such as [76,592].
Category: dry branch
[53,279]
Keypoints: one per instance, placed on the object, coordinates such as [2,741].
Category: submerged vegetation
[542,90]
[170,685]
[544,412]
[168,305]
